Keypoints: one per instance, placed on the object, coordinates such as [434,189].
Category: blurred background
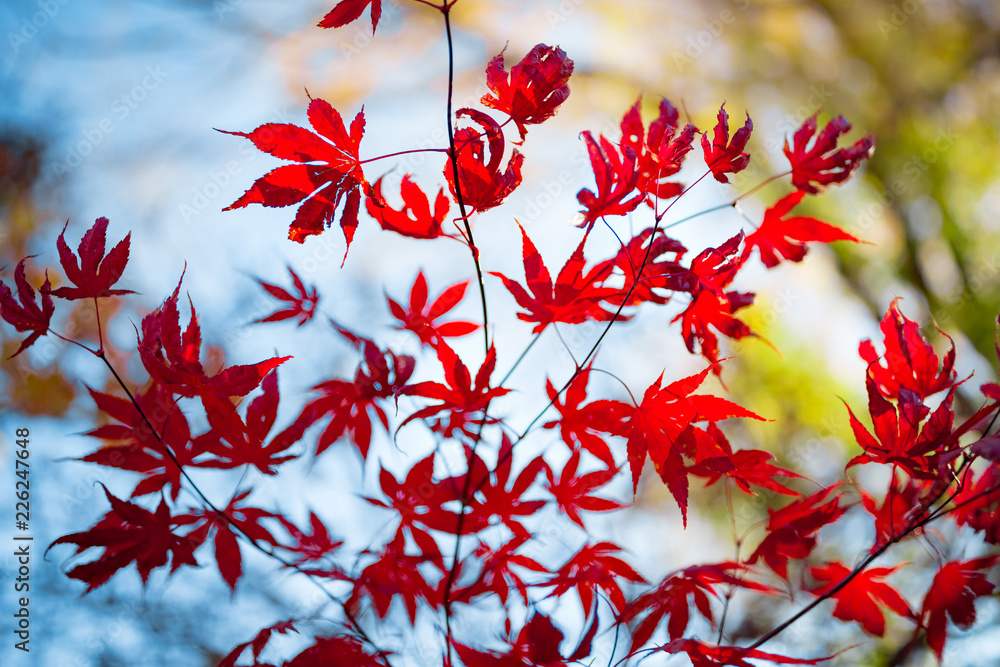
[110,109]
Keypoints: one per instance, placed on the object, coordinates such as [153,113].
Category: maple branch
[71,341]
[100,334]
[915,524]
[524,353]
[718,207]
[460,523]
[453,152]
[228,519]
[398,153]
[728,204]
[760,185]
[738,542]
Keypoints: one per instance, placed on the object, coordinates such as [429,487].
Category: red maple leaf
[579,424]
[303,305]
[659,269]
[536,645]
[224,531]
[977,504]
[909,360]
[593,567]
[572,491]
[419,318]
[482,183]
[418,499]
[128,533]
[671,598]
[904,500]
[616,173]
[310,547]
[494,499]
[415,219]
[707,655]
[246,446]
[26,316]
[713,269]
[172,358]
[780,237]
[573,299]
[329,171]
[395,575]
[341,651]
[258,643]
[536,86]
[660,153]
[461,397]
[899,437]
[716,459]
[496,575]
[813,169]
[134,446]
[860,599]
[724,156]
[662,427]
[791,530]
[382,374]
[952,593]
[96,272]
[711,305]
[349,10]
[716,311]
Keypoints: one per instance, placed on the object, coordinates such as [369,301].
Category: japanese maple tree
[465,538]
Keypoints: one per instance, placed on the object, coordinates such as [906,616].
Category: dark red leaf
[128,533]
[535,89]
[953,592]
[26,316]
[791,530]
[707,655]
[660,153]
[674,595]
[724,156]
[593,567]
[96,272]
[482,183]
[813,169]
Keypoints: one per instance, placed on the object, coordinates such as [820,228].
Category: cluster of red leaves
[490,499]
[329,170]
